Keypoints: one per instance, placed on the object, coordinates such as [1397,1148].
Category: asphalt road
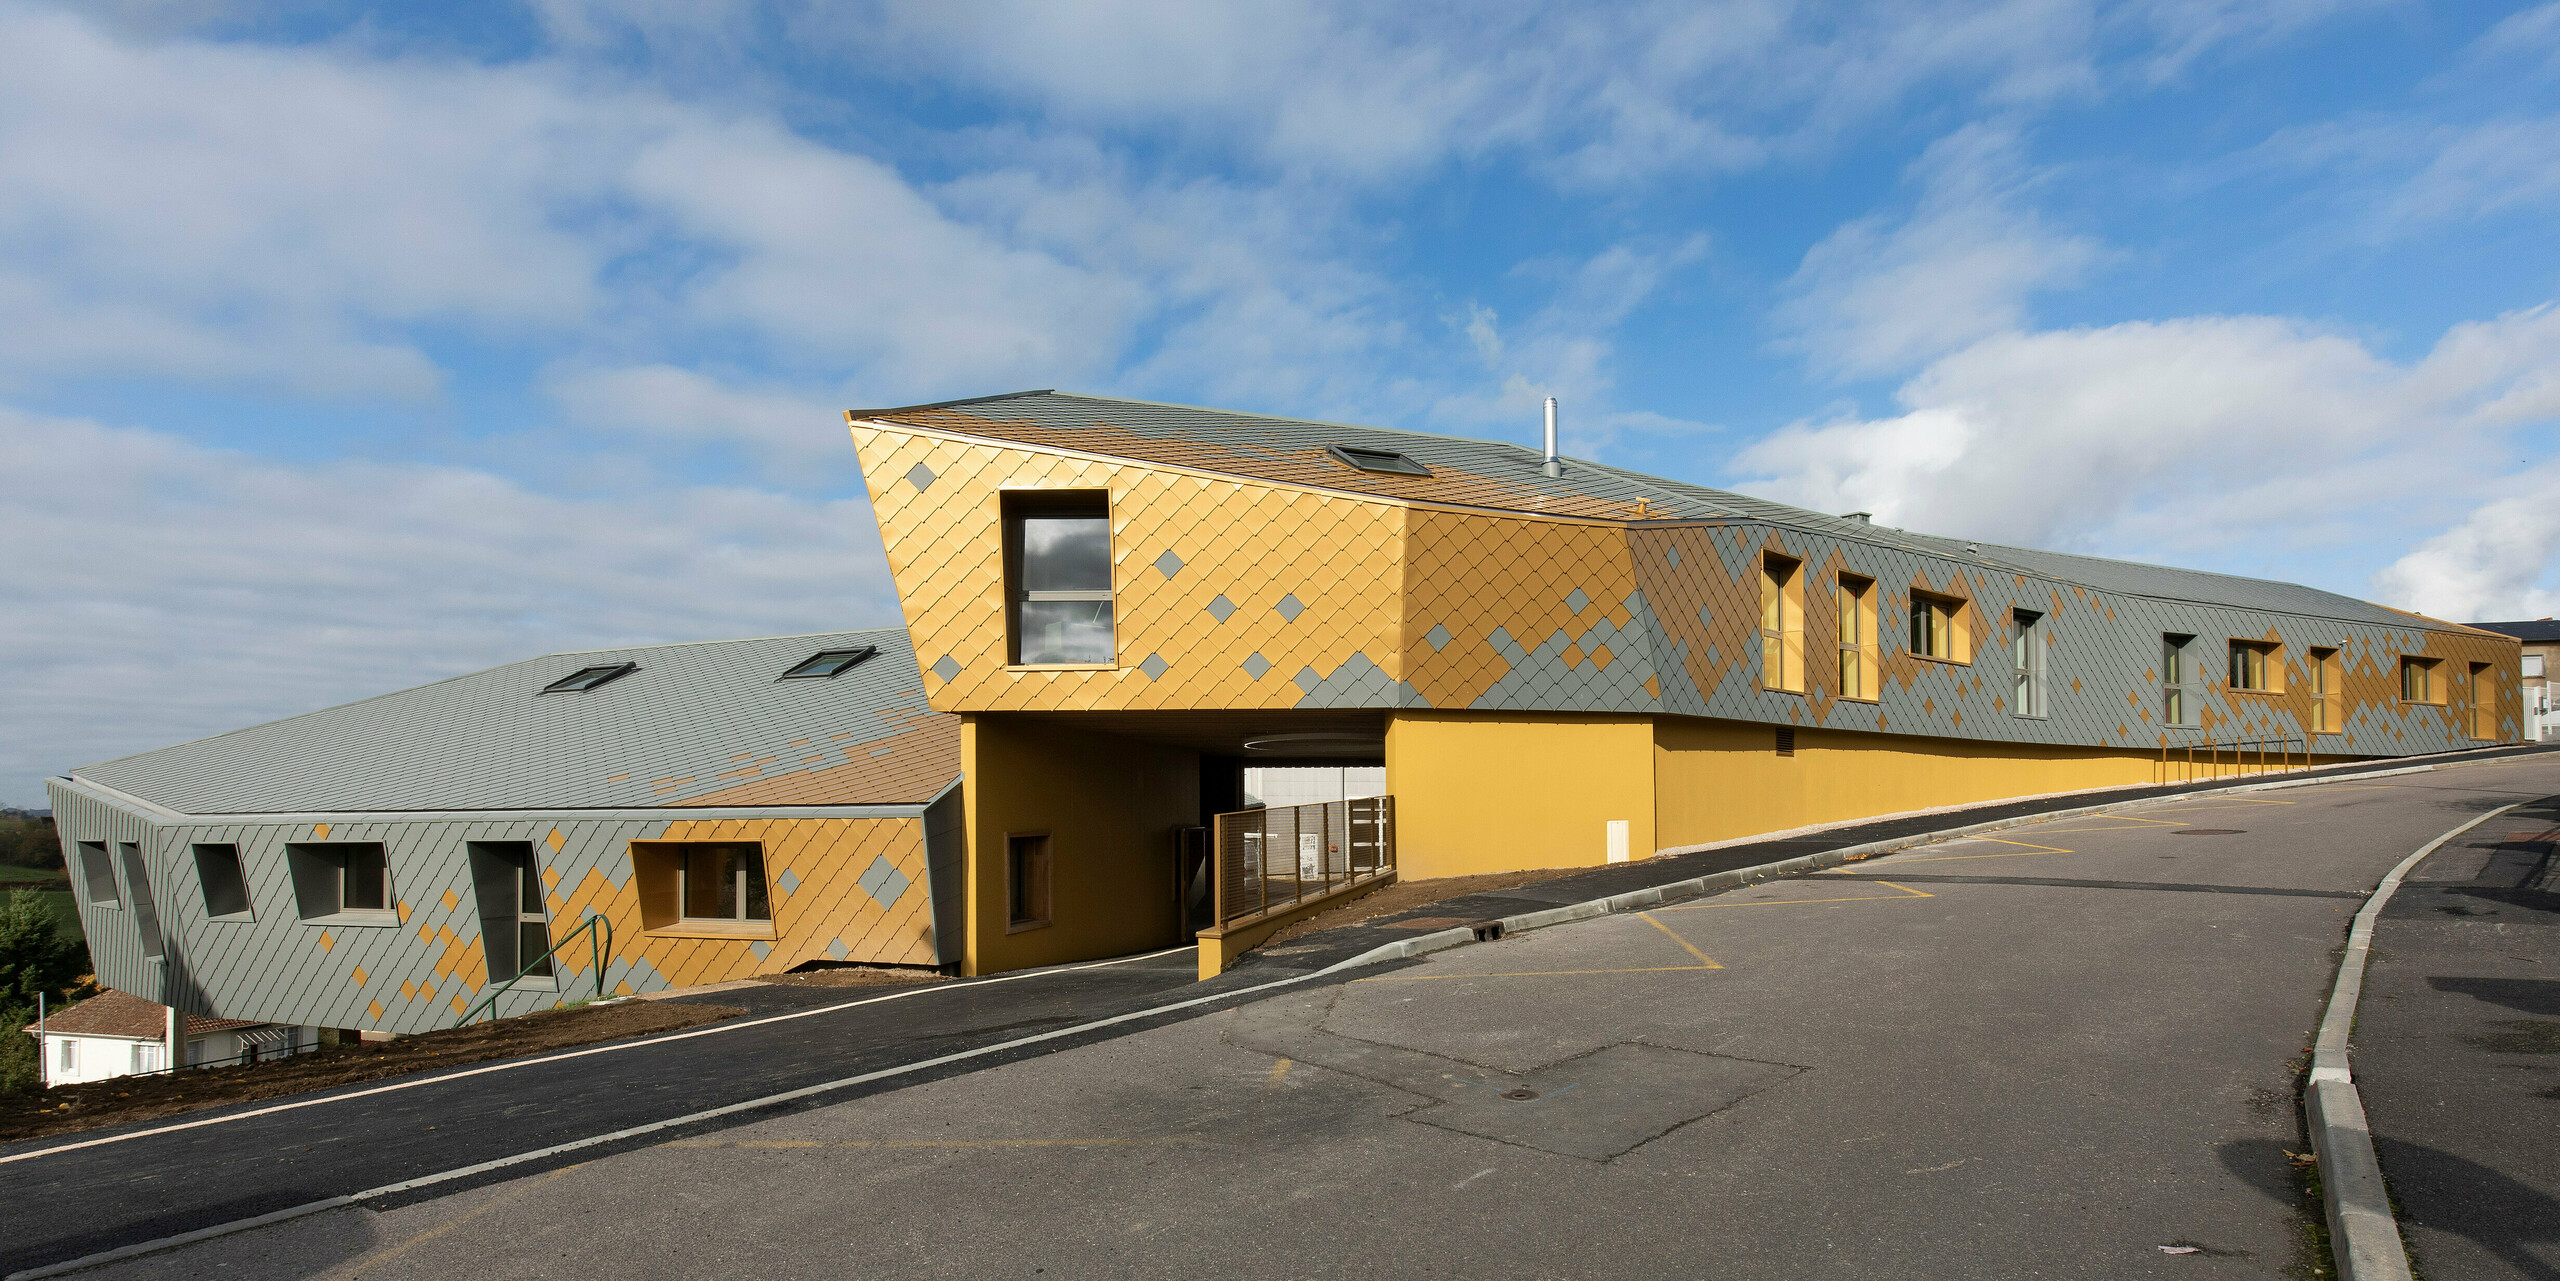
[2047,1055]
[2457,1053]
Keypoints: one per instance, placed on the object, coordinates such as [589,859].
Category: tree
[34,958]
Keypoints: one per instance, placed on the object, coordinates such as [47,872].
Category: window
[2026,660]
[67,1059]
[2257,666]
[722,881]
[1859,676]
[1058,555]
[146,915]
[2533,665]
[226,890]
[515,922]
[98,874]
[2328,692]
[2484,701]
[1939,629]
[1381,460]
[342,882]
[2418,681]
[587,678]
[149,1056]
[1786,740]
[2173,680]
[829,663]
[1026,878]
[1781,625]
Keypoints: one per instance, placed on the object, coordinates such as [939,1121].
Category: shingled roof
[704,723]
[114,1013]
[1502,476]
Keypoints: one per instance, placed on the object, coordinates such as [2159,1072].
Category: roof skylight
[1385,460]
[587,678]
[830,662]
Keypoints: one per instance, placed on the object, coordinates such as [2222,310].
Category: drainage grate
[1786,740]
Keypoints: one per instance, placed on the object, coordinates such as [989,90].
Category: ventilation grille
[1786,740]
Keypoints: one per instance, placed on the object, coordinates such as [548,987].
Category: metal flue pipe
[1554,466]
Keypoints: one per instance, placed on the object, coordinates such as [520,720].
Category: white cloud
[165,591]
[798,436]
[2494,566]
[1878,297]
[2246,436]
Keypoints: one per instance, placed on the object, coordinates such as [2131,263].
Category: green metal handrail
[599,932]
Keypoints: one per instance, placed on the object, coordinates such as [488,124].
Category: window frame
[2175,682]
[1946,620]
[2432,692]
[2484,711]
[1781,624]
[741,878]
[2328,671]
[2263,659]
[1384,462]
[145,904]
[593,676]
[1017,505]
[851,657]
[319,870]
[1861,680]
[97,865]
[1030,866]
[2027,646]
[206,857]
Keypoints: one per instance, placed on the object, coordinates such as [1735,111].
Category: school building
[1114,610]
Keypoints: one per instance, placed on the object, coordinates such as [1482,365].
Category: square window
[1940,628]
[341,882]
[225,886]
[2418,682]
[2257,666]
[1058,567]
[722,881]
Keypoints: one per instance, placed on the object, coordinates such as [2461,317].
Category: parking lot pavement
[2457,1053]
[2065,1052]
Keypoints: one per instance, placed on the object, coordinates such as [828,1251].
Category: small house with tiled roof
[117,1034]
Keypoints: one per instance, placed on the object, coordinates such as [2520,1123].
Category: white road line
[416,1082]
[806,1091]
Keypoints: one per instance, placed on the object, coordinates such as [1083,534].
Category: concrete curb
[2364,1238]
[1718,883]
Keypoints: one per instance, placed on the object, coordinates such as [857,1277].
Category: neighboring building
[117,1034]
[2541,641]
[1125,619]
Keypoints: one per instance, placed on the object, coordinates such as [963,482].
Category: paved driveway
[2046,1055]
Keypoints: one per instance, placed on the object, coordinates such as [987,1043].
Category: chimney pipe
[1553,467]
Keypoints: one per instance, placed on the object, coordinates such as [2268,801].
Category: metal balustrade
[1273,860]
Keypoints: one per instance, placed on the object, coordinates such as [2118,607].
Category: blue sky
[348,348]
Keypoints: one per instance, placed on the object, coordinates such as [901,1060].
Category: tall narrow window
[723,881]
[367,884]
[1026,873]
[226,890]
[515,922]
[1781,625]
[146,914]
[1939,628]
[2026,660]
[2418,681]
[98,874]
[2484,701]
[2328,692]
[1859,677]
[1058,554]
[2173,680]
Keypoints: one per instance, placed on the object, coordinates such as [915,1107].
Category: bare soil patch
[856,976]
[1404,896]
[67,1108]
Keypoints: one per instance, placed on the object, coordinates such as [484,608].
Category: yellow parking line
[1703,958]
[1278,1070]
[1907,892]
[2031,848]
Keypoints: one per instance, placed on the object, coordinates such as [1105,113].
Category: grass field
[8,873]
[66,915]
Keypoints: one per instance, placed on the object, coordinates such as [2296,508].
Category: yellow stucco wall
[1109,805]
[1491,791]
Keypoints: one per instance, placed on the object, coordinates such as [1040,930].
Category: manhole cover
[1520,1096]
[2210,831]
